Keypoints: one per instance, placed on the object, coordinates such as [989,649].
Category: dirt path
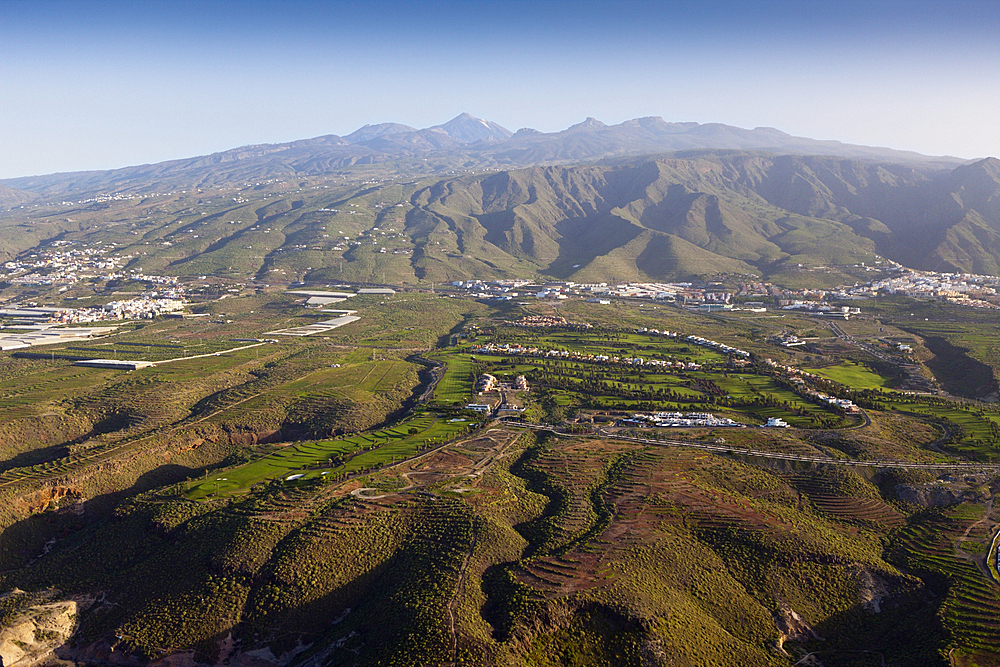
[936,445]
[210,354]
[360,493]
[436,370]
[454,598]
[980,561]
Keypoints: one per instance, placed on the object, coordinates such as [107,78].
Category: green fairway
[334,458]
[456,385]
[852,375]
[979,426]
[750,389]
[599,370]
[623,344]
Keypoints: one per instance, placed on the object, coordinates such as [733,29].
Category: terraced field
[606,514]
[970,611]
[847,506]
[300,500]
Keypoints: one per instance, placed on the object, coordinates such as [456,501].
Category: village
[796,375]
[966,289]
[678,419]
[520,350]
[68,262]
[144,307]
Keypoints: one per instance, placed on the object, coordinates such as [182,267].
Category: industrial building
[118,364]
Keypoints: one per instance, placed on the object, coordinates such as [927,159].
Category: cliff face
[32,637]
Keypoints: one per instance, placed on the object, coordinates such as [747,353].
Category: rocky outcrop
[937,494]
[872,588]
[50,497]
[791,626]
[32,636]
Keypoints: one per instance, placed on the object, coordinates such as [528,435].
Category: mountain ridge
[463,142]
[663,218]
[588,203]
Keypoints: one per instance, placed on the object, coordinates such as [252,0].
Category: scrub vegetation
[322,500]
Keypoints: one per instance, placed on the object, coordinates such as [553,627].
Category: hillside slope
[692,215]
[723,212]
[14,197]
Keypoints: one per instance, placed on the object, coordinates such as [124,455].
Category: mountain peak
[590,123]
[369,132]
[466,127]
[981,176]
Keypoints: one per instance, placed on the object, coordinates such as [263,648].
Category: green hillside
[696,214]
[307,499]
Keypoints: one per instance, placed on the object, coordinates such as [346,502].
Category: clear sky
[96,85]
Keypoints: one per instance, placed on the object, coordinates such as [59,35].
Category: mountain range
[735,212]
[645,199]
[465,142]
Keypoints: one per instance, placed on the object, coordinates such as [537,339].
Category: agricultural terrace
[337,458]
[613,370]
[137,345]
[971,605]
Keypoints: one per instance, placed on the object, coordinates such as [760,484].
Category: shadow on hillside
[365,610]
[62,449]
[957,371]
[905,631]
[582,240]
[24,541]
[34,457]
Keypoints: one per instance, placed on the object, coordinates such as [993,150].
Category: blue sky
[95,85]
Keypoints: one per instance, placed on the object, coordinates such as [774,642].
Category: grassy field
[614,343]
[852,375]
[456,384]
[980,425]
[313,460]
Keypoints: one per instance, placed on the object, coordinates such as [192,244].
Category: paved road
[912,371]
